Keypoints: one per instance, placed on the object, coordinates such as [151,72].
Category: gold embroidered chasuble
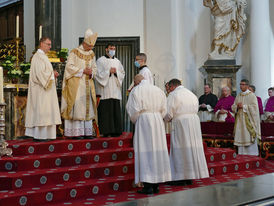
[247,121]
[77,89]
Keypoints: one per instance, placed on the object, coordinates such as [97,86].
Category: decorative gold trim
[83,56]
[250,128]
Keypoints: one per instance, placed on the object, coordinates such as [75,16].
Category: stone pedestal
[220,73]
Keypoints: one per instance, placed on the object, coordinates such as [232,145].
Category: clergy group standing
[187,156]
[78,92]
[146,107]
[247,121]
[109,79]
[42,112]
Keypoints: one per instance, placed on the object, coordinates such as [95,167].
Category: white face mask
[111,53]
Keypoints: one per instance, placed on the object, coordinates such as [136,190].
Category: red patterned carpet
[98,172]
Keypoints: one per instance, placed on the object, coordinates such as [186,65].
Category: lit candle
[1,86]
[40,32]
[17,26]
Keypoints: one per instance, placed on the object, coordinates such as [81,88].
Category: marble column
[260,46]
[48,14]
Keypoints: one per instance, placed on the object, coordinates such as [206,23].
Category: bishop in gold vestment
[78,94]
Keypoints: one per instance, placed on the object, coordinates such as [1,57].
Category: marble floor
[257,190]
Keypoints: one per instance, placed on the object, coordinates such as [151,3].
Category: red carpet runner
[97,172]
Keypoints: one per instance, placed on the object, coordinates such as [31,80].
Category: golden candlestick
[17,41]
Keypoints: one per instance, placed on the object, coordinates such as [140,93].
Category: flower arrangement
[25,68]
[9,63]
[15,73]
[63,54]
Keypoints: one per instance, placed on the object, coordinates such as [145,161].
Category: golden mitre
[90,37]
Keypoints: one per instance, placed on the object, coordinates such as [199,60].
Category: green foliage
[63,53]
[12,72]
[9,63]
[25,68]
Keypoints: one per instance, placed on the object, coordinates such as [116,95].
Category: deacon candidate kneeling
[146,107]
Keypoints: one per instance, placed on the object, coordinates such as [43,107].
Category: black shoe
[155,188]
[40,140]
[106,135]
[76,138]
[177,183]
[89,137]
[116,135]
[188,182]
[146,191]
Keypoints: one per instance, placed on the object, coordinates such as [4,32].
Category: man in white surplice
[42,113]
[146,107]
[140,63]
[109,79]
[187,158]
[78,94]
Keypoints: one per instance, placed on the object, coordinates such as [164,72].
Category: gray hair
[227,88]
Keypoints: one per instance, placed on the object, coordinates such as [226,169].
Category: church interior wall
[106,17]
[176,35]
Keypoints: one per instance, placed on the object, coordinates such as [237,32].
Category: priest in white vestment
[42,113]
[146,107]
[109,79]
[187,158]
[78,93]
[247,127]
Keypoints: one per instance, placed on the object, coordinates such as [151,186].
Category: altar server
[109,79]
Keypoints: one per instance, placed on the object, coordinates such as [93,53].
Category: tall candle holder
[17,41]
[3,144]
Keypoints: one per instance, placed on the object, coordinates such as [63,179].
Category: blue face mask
[137,64]
[111,53]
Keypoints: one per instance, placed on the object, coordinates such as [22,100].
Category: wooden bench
[267,141]
[220,134]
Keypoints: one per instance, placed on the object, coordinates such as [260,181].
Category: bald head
[137,79]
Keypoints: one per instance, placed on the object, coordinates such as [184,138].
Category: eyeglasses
[243,84]
[47,44]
